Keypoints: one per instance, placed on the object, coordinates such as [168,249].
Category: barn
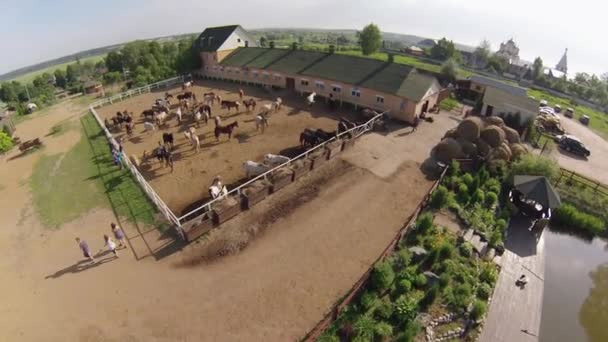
[399,89]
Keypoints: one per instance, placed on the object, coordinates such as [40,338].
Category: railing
[571,177]
[160,204]
[354,133]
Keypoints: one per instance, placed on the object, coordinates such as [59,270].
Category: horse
[249,104]
[309,138]
[178,113]
[160,118]
[310,99]
[148,113]
[198,116]
[230,105]
[107,124]
[187,85]
[254,169]
[194,140]
[130,127]
[168,96]
[277,104]
[186,96]
[324,136]
[209,94]
[219,130]
[261,121]
[205,108]
[275,159]
[218,120]
[148,126]
[368,113]
[168,139]
[209,99]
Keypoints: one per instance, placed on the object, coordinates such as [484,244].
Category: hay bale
[469,128]
[518,150]
[447,150]
[493,135]
[511,135]
[468,148]
[451,134]
[499,154]
[494,120]
[505,147]
[483,148]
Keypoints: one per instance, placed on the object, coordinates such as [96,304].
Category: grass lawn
[65,186]
[29,77]
[448,104]
[598,120]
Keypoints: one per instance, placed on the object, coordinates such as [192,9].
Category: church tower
[563,63]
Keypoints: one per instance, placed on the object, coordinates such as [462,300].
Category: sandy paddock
[186,187]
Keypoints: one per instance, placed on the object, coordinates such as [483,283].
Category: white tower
[563,63]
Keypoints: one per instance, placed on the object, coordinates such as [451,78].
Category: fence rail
[160,204]
[569,176]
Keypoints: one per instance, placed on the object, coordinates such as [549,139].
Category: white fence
[162,207]
[354,133]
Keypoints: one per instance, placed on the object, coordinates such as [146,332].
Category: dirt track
[276,289]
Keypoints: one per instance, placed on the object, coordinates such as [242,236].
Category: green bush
[467,179]
[531,164]
[483,175]
[404,285]
[488,274]
[474,186]
[412,329]
[364,328]
[439,198]
[369,300]
[444,280]
[405,308]
[403,258]
[420,281]
[454,169]
[430,296]
[328,337]
[492,185]
[383,275]
[6,143]
[384,310]
[462,194]
[483,291]
[490,199]
[459,297]
[567,216]
[478,196]
[384,329]
[479,309]
[466,249]
[425,221]
[446,251]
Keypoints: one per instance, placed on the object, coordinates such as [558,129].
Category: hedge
[567,216]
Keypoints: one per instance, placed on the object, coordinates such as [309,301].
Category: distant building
[414,50]
[560,70]
[92,86]
[509,51]
[215,43]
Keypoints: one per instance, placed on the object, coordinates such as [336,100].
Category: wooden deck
[515,314]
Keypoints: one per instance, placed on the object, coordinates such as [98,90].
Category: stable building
[363,82]
[501,98]
[215,43]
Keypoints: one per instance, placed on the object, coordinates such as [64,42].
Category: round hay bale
[447,150]
[505,147]
[468,148]
[483,148]
[494,120]
[518,150]
[470,128]
[451,134]
[511,135]
[493,135]
[499,154]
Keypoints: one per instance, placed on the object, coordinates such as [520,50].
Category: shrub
[474,185]
[492,185]
[462,194]
[405,308]
[479,309]
[430,296]
[490,199]
[384,329]
[467,179]
[466,249]
[454,169]
[425,221]
[478,196]
[483,175]
[412,329]
[6,143]
[501,225]
[439,198]
[404,285]
[567,216]
[384,310]
[488,274]
[483,291]
[403,258]
[369,300]
[444,280]
[459,297]
[364,328]
[446,250]
[420,281]
[496,239]
[328,337]
[531,164]
[383,275]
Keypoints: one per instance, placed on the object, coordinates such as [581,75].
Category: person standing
[119,234]
[84,247]
[110,244]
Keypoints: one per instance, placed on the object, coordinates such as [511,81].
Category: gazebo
[534,197]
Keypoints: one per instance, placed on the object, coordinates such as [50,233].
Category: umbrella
[539,189]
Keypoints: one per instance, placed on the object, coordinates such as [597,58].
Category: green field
[29,77]
[598,120]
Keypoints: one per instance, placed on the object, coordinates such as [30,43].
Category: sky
[33,31]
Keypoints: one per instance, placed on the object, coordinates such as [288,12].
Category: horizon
[64,39]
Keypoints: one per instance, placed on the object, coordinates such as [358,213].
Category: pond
[575,303]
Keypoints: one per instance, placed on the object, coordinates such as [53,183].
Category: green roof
[213,37]
[415,86]
[296,61]
[343,68]
[265,59]
[388,79]
[241,56]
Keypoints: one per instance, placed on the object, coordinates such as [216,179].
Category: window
[277,77]
[320,85]
[304,83]
[238,40]
[336,88]
[356,92]
[379,99]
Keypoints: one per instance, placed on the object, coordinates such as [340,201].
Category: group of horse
[119,120]
[312,137]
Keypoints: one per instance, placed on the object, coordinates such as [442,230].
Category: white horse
[209,100]
[186,85]
[194,140]
[179,114]
[254,169]
[275,159]
[149,127]
[311,99]
[261,121]
[160,118]
[218,120]
[277,104]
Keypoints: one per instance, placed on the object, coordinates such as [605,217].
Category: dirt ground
[594,167]
[187,186]
[309,251]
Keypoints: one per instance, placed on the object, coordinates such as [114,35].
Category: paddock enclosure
[187,186]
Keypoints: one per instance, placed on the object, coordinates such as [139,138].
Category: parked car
[569,113]
[572,144]
[557,108]
[584,120]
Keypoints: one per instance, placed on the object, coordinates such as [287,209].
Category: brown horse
[219,130]
[186,96]
[230,105]
[249,104]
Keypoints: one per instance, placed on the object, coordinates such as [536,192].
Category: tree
[6,143]
[342,40]
[114,61]
[449,69]
[271,44]
[370,39]
[443,50]
[263,41]
[537,68]
[498,63]
[482,53]
[60,78]
[112,77]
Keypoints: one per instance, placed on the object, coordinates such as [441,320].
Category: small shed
[92,86]
[415,50]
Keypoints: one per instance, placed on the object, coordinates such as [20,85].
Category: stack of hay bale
[475,137]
